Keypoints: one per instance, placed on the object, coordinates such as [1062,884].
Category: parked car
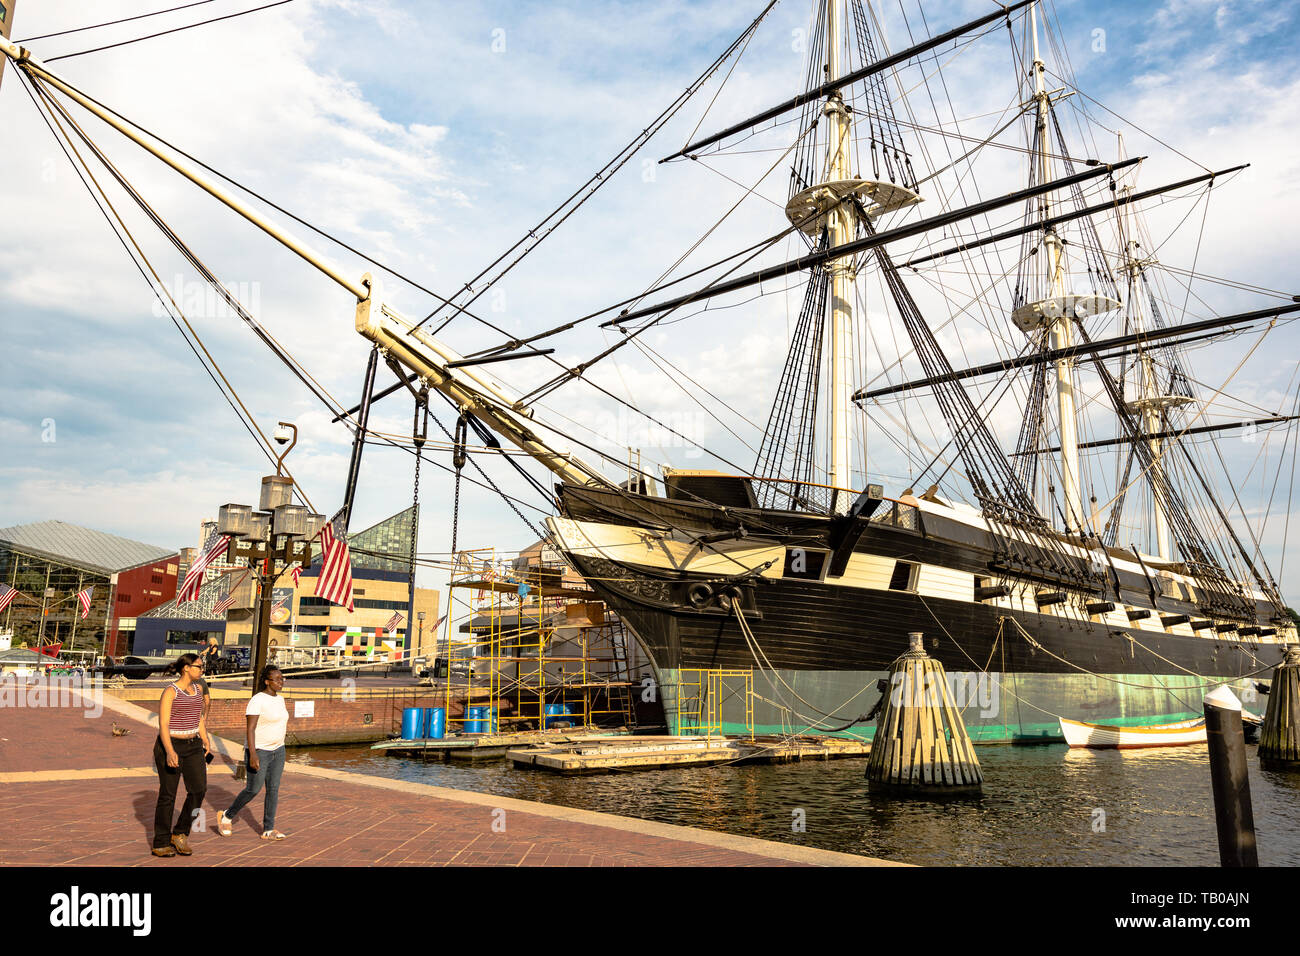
[441,668]
[134,667]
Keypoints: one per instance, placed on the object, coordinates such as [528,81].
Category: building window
[305,602]
[192,637]
[904,576]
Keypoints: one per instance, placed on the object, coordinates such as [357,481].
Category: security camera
[283,434]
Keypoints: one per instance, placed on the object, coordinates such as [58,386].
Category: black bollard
[1229,779]
[1279,738]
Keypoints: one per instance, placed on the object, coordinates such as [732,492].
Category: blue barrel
[474,720]
[556,712]
[437,723]
[412,723]
[490,713]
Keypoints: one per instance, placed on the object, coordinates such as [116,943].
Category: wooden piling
[1279,738]
[1233,815]
[921,746]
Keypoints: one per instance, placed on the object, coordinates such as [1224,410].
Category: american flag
[7,594]
[227,599]
[194,576]
[84,598]
[335,581]
[393,621]
[296,573]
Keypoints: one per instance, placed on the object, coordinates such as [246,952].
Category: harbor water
[1041,806]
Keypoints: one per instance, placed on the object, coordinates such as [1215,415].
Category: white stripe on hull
[677,552]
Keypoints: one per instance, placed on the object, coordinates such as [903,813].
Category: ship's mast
[1151,404]
[1059,329]
[1147,403]
[841,227]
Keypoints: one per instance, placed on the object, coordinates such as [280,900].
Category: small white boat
[1111,737]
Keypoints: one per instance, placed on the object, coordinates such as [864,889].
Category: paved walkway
[72,793]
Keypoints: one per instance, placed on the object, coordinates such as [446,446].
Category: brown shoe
[181,842]
[164,851]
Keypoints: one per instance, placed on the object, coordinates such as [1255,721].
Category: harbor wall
[327,719]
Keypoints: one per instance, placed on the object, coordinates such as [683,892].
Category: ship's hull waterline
[818,648]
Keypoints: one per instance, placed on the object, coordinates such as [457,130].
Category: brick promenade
[73,794]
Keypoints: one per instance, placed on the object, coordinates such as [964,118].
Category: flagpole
[81,579]
[13,583]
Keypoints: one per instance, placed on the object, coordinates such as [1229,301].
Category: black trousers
[195,771]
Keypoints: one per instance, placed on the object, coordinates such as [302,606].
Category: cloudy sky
[432,135]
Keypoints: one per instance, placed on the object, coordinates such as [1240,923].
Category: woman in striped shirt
[182,750]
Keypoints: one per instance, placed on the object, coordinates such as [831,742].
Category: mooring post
[1229,779]
[921,746]
[1279,738]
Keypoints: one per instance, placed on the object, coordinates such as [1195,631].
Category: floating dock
[608,755]
[488,746]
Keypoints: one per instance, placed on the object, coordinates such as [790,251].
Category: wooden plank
[927,726]
[945,775]
[910,720]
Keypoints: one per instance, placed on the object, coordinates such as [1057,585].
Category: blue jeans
[270,764]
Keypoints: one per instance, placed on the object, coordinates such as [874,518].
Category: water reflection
[1040,804]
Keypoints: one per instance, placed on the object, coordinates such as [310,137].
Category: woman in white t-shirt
[266,718]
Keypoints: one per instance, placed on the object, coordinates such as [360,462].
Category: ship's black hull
[808,625]
[817,645]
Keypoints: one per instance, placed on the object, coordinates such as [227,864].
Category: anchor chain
[458,462]
[419,434]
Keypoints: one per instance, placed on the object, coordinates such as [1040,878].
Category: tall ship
[1098,569]
[1019,580]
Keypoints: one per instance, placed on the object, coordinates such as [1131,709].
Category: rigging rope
[188,26]
[111,23]
[207,360]
[590,187]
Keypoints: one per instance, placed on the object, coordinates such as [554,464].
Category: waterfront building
[299,618]
[172,629]
[49,562]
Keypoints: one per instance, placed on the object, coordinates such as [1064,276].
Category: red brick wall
[134,595]
[335,721]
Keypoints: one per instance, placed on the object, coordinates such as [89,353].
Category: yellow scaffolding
[514,656]
[701,694]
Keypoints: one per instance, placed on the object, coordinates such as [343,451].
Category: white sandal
[273,835]
[223,824]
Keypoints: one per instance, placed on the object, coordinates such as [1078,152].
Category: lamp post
[271,539]
[419,642]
